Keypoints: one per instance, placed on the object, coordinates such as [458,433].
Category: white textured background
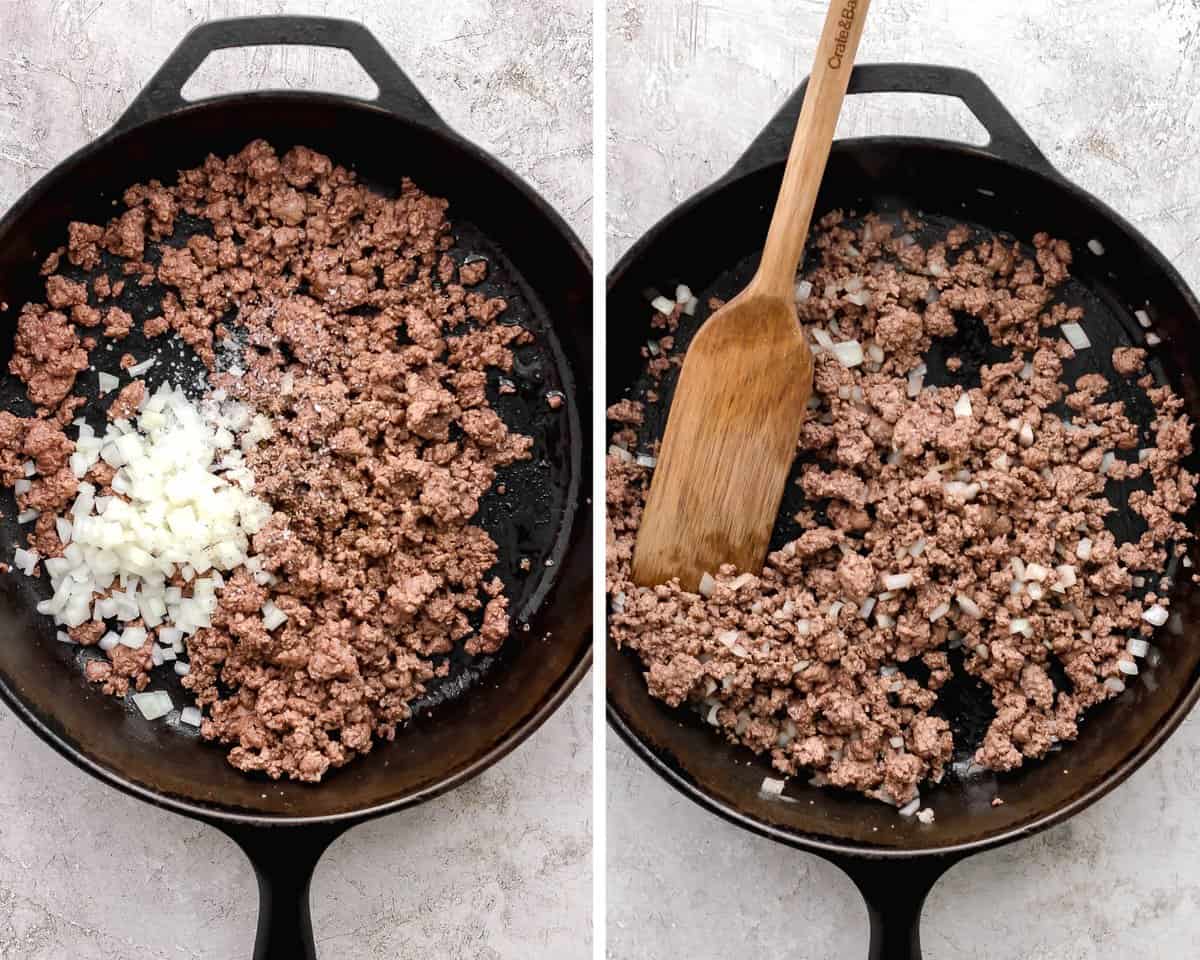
[500,868]
[1110,89]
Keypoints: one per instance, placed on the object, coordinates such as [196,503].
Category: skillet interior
[545,276]
[712,244]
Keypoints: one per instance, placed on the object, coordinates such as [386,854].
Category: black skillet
[712,243]
[537,263]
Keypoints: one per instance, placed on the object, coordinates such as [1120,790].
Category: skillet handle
[284,859]
[397,93]
[1009,141]
[895,891]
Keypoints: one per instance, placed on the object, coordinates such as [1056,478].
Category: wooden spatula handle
[810,147]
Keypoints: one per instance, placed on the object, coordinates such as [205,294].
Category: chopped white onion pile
[153,704]
[1143,318]
[1075,336]
[1096,247]
[177,513]
[963,407]
[1156,615]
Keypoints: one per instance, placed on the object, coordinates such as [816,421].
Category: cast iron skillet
[537,262]
[712,243]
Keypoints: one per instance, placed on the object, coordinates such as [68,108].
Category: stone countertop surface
[1110,89]
[500,867]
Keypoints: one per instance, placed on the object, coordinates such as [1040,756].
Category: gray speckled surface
[499,868]
[1111,91]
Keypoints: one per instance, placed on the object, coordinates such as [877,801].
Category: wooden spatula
[742,393]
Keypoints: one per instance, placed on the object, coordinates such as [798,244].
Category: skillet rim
[581,522]
[818,843]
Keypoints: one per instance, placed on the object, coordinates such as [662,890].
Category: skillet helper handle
[895,892]
[284,859]
[809,151]
[1008,139]
[162,95]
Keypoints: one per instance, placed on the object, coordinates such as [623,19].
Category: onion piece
[107,382]
[1143,318]
[1075,336]
[1155,615]
[967,605]
[1138,647]
[663,305]
[154,704]
[897,581]
[1096,247]
[849,353]
[962,408]
[707,584]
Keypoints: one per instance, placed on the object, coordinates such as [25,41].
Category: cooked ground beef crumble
[362,343]
[938,521]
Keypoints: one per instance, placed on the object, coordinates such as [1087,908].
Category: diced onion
[1115,685]
[1096,247]
[849,353]
[707,584]
[967,605]
[938,612]
[963,407]
[1083,550]
[1138,647]
[1127,667]
[139,368]
[683,293]
[1143,318]
[1153,339]
[190,715]
[1155,614]
[663,305]
[771,787]
[108,382]
[153,705]
[1075,336]
[803,291]
[897,581]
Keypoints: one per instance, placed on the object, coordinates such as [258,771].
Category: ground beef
[992,521]
[361,352]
